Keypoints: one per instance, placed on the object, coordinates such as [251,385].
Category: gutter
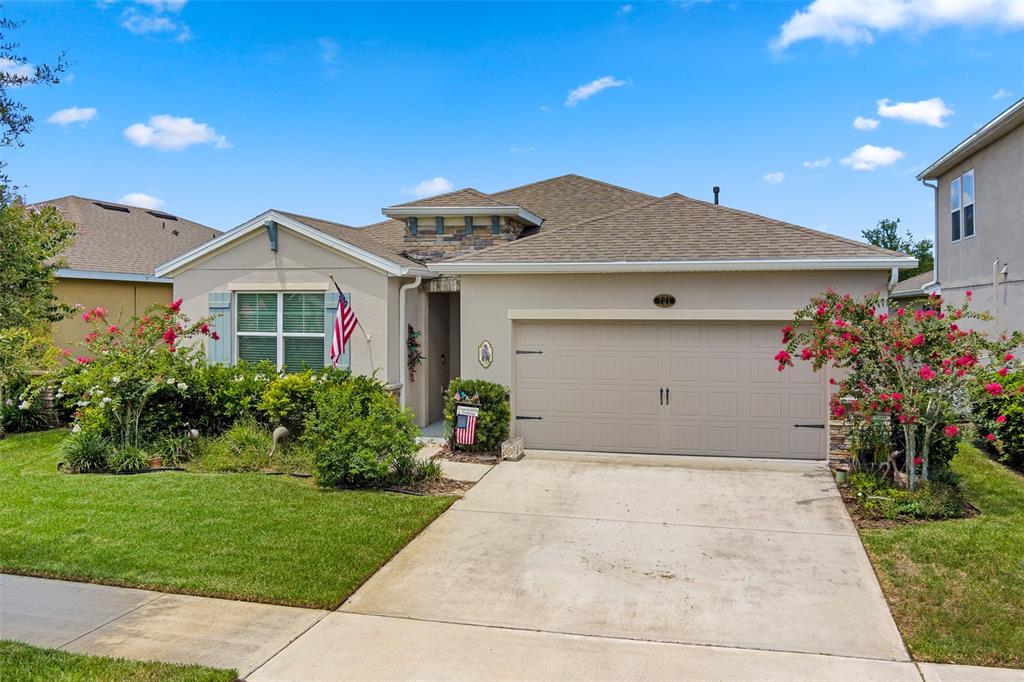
[401,330]
[71,273]
[747,265]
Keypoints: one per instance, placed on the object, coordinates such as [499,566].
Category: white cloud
[930,112]
[1002,94]
[848,22]
[172,132]
[774,178]
[626,9]
[545,108]
[154,19]
[429,188]
[588,90]
[141,200]
[66,117]
[163,5]
[329,50]
[869,157]
[17,69]
[862,123]
[819,163]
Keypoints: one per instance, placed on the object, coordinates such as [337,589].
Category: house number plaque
[664,300]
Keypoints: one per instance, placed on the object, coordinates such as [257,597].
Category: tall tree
[887,235]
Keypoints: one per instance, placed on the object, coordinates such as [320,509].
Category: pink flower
[172,349]
[1001,419]
[783,357]
[204,328]
[215,336]
[994,388]
[918,460]
[926,373]
[169,336]
[65,352]
[806,354]
[917,340]
[1008,357]
[787,333]
[83,360]
[968,293]
[1003,371]
[113,329]
[951,431]
[87,315]
[175,305]
[838,410]
[90,337]
[990,437]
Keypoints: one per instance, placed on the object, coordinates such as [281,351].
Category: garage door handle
[529,352]
[667,397]
[519,417]
[808,426]
[661,396]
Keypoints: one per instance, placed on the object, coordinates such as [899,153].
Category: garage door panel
[596,385]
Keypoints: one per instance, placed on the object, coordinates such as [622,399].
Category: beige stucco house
[620,321]
[111,263]
[979,220]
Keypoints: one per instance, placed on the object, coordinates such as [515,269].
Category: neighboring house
[912,290]
[112,260]
[619,320]
[979,219]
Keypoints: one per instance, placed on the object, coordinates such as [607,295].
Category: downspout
[935,256]
[401,331]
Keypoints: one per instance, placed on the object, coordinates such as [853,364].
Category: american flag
[344,324]
[465,428]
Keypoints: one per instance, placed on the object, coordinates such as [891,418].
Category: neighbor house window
[961,206]
[286,328]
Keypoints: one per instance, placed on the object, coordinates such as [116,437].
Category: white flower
[260,377]
[8,402]
[170,382]
[182,386]
[82,403]
[239,379]
[115,380]
[105,401]
[76,428]
[24,405]
[99,391]
[60,394]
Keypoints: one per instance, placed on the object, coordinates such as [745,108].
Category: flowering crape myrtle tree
[916,366]
[127,370]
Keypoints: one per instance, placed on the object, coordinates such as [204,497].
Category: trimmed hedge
[492,426]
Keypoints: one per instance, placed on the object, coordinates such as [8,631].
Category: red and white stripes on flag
[465,425]
[344,324]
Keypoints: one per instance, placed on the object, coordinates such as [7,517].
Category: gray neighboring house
[979,221]
[620,321]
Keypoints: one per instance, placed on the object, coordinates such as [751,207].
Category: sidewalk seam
[115,618]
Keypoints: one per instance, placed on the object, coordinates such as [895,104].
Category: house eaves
[738,265]
[1006,121]
[399,212]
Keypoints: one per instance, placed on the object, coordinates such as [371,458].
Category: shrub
[177,449]
[23,410]
[1008,433]
[358,435]
[243,447]
[287,400]
[86,451]
[492,425]
[933,500]
[127,458]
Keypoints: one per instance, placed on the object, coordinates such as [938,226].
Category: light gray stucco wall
[487,299]
[999,233]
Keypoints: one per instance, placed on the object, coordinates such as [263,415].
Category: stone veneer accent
[839,444]
[427,245]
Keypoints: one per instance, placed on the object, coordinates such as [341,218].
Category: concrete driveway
[630,567]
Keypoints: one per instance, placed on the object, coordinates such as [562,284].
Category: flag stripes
[344,324]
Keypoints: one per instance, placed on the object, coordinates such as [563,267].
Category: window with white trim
[286,328]
[961,206]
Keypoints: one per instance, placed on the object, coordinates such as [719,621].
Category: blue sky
[335,110]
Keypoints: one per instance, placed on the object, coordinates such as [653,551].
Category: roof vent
[175,233]
[113,207]
[161,214]
[716,189]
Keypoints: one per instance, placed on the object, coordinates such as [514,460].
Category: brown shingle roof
[126,239]
[912,286]
[361,238]
[674,228]
[460,197]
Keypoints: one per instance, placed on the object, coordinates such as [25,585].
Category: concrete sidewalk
[145,625]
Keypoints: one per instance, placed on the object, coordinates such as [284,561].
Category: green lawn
[243,536]
[31,664]
[956,588]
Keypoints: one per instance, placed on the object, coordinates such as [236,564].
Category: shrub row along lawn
[32,664]
[956,588]
[253,537]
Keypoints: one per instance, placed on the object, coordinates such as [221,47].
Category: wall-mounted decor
[664,300]
[485,354]
[413,353]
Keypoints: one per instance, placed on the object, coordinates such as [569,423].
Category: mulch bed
[867,522]
[473,457]
[444,486]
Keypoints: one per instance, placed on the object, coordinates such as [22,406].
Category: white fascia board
[1010,118]
[421,211]
[868,263]
[71,273]
[299,227]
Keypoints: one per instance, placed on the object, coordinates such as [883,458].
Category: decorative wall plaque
[485,354]
[664,300]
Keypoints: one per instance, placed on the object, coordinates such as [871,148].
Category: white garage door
[702,388]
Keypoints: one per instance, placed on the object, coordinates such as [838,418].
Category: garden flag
[465,424]
[344,324]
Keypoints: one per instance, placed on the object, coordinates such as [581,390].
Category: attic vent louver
[161,214]
[113,207]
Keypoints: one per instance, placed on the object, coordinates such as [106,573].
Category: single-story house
[111,262]
[620,321]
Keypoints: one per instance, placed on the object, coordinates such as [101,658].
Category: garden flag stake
[465,424]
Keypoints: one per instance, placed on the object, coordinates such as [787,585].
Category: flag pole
[359,324]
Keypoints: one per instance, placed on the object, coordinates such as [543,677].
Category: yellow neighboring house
[112,261]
